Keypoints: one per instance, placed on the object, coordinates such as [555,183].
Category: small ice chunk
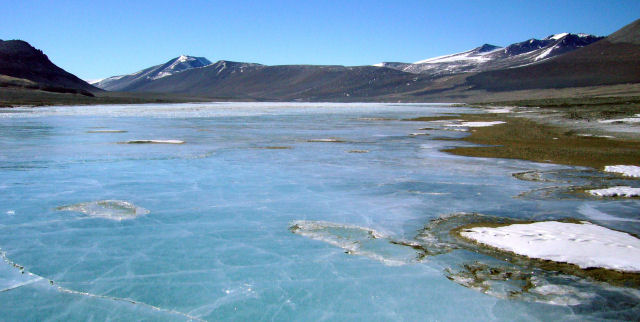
[106,131]
[334,140]
[109,209]
[478,124]
[584,244]
[619,191]
[154,142]
[626,170]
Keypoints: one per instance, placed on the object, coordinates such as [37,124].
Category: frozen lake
[200,227]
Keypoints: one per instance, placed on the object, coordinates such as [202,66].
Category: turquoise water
[216,244]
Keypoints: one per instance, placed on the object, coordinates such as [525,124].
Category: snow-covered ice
[584,244]
[626,170]
[619,191]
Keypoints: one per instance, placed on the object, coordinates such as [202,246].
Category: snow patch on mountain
[173,66]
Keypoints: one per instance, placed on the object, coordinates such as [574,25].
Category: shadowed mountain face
[131,81]
[613,60]
[226,79]
[20,60]
[490,57]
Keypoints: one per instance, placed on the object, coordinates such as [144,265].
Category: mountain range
[490,57]
[558,61]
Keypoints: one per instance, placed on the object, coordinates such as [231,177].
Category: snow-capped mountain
[173,66]
[490,57]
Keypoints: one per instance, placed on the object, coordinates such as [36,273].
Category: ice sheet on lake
[109,209]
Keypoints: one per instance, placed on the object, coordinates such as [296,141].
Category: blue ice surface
[215,244]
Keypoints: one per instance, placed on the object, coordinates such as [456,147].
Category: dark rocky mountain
[19,60]
[173,66]
[613,60]
[490,57]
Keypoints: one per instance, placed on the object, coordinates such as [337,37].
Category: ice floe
[626,170]
[584,244]
[357,240]
[109,209]
[619,191]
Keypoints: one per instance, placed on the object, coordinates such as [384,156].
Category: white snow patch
[559,36]
[470,56]
[477,124]
[626,170]
[499,110]
[94,81]
[618,191]
[586,244]
[545,53]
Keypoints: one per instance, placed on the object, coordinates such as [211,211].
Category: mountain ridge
[612,60]
[491,57]
[173,66]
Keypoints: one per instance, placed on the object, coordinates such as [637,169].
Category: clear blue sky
[95,39]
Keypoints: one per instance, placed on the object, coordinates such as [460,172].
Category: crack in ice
[38,278]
